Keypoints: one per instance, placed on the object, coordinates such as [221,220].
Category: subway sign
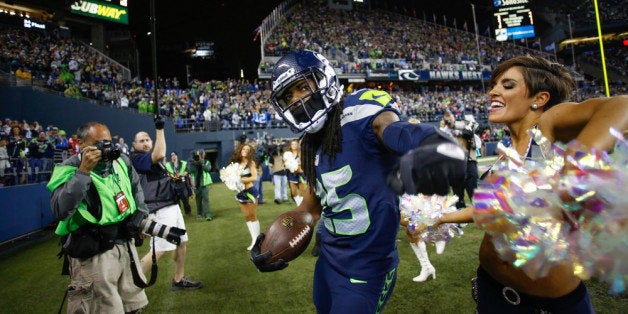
[101,10]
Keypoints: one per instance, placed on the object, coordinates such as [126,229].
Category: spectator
[124,148]
[73,144]
[23,73]
[18,151]
[62,145]
[124,101]
[236,120]
[243,138]
[5,128]
[40,152]
[207,116]
[5,164]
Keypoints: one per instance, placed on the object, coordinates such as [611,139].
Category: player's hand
[159,122]
[260,259]
[432,168]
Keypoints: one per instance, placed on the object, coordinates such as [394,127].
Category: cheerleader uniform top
[246,172]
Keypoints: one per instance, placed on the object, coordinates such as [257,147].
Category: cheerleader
[296,178]
[418,246]
[245,157]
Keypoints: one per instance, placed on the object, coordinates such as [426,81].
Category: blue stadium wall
[24,103]
[24,209]
[20,103]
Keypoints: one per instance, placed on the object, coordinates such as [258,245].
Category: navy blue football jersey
[360,212]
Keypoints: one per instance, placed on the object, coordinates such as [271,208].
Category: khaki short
[104,283]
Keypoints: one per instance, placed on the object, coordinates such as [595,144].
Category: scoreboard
[513,20]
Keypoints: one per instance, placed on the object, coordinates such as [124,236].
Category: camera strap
[63,301]
[137,279]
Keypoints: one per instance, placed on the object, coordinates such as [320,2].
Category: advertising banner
[425,75]
[101,10]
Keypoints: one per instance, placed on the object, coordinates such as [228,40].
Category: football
[288,235]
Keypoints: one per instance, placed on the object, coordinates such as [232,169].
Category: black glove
[432,168]
[159,122]
[260,259]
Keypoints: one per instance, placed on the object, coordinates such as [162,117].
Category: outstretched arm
[588,121]
[399,136]
[464,215]
[159,147]
[432,161]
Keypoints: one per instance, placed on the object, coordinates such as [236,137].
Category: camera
[274,149]
[464,125]
[108,151]
[149,227]
[197,156]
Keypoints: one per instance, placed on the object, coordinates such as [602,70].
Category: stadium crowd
[583,13]
[29,150]
[71,67]
[354,40]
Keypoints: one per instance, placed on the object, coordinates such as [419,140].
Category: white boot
[440,246]
[254,231]
[426,267]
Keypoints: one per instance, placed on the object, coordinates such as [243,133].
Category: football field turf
[31,280]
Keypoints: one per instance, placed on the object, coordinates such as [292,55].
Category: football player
[351,147]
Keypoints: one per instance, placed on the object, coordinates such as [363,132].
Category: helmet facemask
[320,91]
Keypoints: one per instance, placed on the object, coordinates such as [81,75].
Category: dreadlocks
[328,139]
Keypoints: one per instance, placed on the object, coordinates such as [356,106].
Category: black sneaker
[186,284]
[277,201]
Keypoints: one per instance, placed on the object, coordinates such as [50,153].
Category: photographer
[262,157]
[280,178]
[161,201]
[199,169]
[94,195]
[178,171]
[464,132]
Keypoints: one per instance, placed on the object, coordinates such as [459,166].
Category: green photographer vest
[181,169]
[206,179]
[107,188]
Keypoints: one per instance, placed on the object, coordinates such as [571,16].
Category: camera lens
[170,234]
[108,152]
